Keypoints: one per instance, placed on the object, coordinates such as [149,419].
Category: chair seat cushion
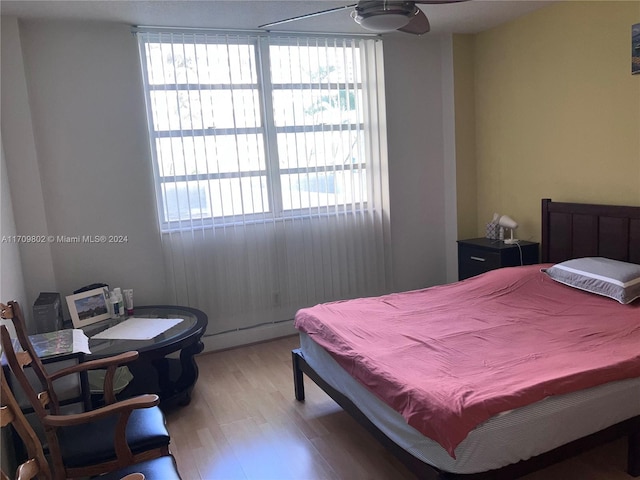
[92,443]
[163,468]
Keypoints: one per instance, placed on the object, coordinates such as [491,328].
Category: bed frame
[574,230]
[569,230]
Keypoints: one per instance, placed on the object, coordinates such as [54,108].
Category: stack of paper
[137,328]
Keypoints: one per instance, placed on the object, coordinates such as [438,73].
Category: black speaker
[47,313]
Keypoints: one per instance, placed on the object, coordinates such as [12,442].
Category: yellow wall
[556,110]
[466,178]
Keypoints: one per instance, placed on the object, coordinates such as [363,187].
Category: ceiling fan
[381,15]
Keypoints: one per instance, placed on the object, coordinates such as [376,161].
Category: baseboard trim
[224,341]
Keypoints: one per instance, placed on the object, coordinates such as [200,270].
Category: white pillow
[603,276]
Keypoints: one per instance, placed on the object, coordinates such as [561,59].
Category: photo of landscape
[91,306]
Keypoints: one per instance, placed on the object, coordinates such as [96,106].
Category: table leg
[189,373]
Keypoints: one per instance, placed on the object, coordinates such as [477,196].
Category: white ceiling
[467,17]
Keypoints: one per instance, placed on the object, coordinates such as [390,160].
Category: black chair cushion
[163,468]
[93,443]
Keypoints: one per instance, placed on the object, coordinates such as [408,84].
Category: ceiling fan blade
[308,15]
[418,25]
[436,2]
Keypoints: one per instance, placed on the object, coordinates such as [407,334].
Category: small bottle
[128,300]
[113,302]
[120,300]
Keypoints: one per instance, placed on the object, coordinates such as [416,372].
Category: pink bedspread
[450,357]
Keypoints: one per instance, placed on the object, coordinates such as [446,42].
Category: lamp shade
[507,222]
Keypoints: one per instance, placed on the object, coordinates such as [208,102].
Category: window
[269,159]
[251,127]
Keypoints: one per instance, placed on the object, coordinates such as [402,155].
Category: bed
[515,440]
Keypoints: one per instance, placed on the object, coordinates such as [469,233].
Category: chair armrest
[121,410]
[121,407]
[116,360]
[109,363]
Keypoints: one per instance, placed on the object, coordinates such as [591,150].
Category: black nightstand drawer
[477,260]
[479,255]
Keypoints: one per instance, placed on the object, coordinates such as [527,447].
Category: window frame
[273,171]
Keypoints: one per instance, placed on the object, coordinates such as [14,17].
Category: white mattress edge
[505,438]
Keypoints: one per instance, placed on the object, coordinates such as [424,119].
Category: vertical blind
[269,157]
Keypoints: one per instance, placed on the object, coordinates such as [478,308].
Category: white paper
[136,328]
[80,341]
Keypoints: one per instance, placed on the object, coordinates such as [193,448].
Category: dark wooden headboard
[573,230]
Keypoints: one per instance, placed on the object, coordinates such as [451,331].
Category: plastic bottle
[120,300]
[128,300]
[113,302]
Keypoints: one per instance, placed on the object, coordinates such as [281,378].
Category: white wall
[88,119]
[87,109]
[414,89]
[22,167]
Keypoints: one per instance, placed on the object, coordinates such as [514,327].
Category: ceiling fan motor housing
[381,16]
[384,16]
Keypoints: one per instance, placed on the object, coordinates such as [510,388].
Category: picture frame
[89,307]
[635,49]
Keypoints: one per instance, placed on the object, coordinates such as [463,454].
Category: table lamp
[508,222]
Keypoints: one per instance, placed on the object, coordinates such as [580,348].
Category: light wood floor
[244,423]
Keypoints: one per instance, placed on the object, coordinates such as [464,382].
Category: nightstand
[479,255]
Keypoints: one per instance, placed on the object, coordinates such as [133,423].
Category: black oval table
[172,379]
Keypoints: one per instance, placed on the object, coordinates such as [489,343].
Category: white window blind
[268,155]
[246,127]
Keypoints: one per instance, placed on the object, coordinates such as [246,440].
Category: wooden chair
[10,413]
[109,438]
[36,466]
